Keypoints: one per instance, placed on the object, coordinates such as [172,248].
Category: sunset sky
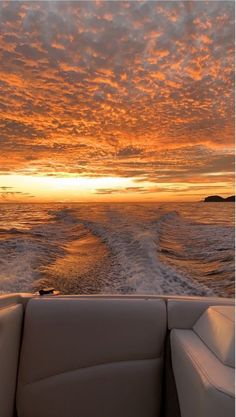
[116,101]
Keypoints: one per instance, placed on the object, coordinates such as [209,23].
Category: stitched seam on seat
[222,314]
[198,364]
[89,367]
[9,306]
[214,351]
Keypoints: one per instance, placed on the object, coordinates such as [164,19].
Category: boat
[116,356]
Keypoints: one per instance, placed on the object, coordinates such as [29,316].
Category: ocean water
[118,248]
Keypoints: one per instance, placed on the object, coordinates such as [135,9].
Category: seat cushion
[216,329]
[91,358]
[205,385]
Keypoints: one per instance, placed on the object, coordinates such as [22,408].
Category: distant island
[219,199]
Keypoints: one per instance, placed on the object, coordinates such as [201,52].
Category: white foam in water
[23,258]
[152,249]
[135,247]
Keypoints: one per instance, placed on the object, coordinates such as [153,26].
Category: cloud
[132,89]
[4,188]
[119,190]
[8,195]
[128,152]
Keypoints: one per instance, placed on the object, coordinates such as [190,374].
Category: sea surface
[118,248]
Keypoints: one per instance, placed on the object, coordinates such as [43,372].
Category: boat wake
[118,249]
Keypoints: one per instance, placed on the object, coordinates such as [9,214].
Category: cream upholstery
[183,313]
[205,384]
[92,358]
[102,356]
[216,328]
[10,332]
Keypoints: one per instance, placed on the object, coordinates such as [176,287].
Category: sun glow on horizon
[49,188]
[35,188]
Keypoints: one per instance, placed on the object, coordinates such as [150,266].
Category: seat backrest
[216,328]
[92,358]
[203,357]
[183,313]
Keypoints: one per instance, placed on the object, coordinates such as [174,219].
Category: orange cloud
[124,88]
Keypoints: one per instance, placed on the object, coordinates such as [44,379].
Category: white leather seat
[201,359]
[92,358]
[216,327]
[103,356]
